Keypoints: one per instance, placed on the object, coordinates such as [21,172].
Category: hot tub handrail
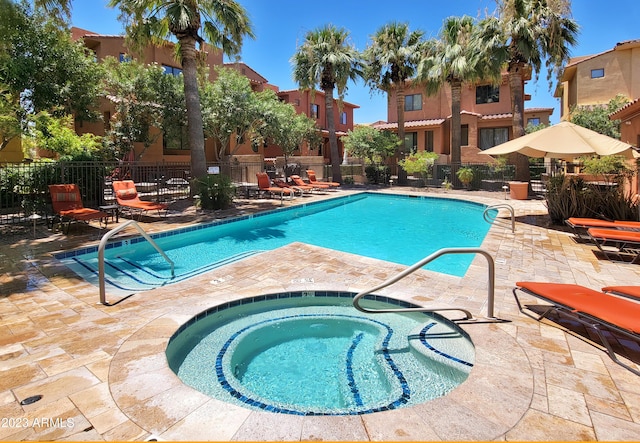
[420,264]
[490,220]
[103,243]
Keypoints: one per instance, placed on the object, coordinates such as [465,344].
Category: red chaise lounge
[593,309]
[67,205]
[127,197]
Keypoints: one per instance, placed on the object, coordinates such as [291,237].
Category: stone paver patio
[103,374]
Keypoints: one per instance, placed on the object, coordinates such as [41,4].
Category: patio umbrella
[565,141]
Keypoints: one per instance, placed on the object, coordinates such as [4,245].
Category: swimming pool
[398,229]
[312,353]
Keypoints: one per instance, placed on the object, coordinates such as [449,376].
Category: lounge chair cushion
[614,310]
[127,194]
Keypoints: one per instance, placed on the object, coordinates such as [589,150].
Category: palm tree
[525,34]
[327,60]
[455,59]
[224,24]
[390,63]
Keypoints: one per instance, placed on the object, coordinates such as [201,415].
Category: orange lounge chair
[127,197]
[300,189]
[264,185]
[632,292]
[580,225]
[313,180]
[67,205]
[617,243]
[299,182]
[593,309]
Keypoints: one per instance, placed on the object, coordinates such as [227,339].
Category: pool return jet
[468,317]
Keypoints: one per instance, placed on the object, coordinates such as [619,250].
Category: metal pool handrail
[490,220]
[103,243]
[420,264]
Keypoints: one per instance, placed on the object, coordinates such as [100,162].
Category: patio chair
[299,189]
[67,206]
[127,198]
[316,186]
[580,225]
[593,309]
[313,180]
[632,292]
[264,186]
[617,243]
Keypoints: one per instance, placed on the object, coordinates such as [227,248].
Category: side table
[111,209]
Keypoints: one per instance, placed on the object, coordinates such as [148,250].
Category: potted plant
[465,175]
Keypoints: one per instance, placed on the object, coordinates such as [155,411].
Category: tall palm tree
[326,59]
[455,58]
[525,34]
[223,23]
[390,63]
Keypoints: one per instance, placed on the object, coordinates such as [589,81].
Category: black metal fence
[24,186]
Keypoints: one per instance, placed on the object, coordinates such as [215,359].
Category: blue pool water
[312,353]
[398,229]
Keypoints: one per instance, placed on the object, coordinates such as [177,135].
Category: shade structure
[565,141]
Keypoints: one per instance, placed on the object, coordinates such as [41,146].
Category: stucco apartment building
[305,102]
[485,115]
[596,79]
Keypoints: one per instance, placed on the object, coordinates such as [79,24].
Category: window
[428,141]
[296,102]
[490,137]
[175,137]
[597,73]
[171,70]
[411,142]
[106,118]
[413,102]
[487,94]
[535,121]
[315,111]
[343,118]
[123,58]
[464,135]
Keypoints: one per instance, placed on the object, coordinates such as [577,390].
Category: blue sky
[282,24]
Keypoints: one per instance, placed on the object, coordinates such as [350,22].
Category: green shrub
[377,174]
[465,175]
[216,191]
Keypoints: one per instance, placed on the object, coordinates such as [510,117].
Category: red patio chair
[67,206]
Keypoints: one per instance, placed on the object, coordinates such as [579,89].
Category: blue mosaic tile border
[406,392]
[403,399]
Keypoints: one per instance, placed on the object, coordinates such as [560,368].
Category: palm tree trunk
[336,160]
[402,174]
[194,113]
[516,86]
[456,125]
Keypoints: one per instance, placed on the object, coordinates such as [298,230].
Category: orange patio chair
[580,225]
[299,189]
[617,243]
[128,198]
[313,180]
[67,206]
[632,292]
[297,181]
[593,309]
[264,186]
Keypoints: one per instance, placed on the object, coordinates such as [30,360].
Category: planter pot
[518,190]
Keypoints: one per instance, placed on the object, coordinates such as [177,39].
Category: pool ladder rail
[103,243]
[491,219]
[468,317]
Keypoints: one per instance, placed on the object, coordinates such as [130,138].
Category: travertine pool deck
[103,375]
